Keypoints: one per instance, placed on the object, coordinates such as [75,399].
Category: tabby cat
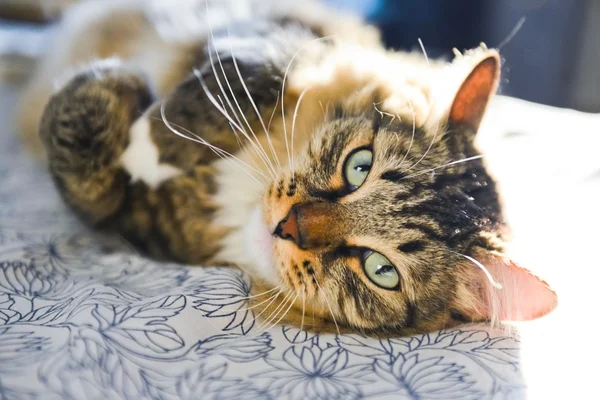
[283,138]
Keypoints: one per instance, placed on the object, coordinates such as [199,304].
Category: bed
[83,316]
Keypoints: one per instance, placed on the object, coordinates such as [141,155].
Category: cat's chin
[259,247]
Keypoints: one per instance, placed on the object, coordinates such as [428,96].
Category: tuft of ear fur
[498,289]
[471,99]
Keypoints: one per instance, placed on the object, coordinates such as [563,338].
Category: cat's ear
[471,99]
[499,289]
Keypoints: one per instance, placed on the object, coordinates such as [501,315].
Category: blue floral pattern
[82,316]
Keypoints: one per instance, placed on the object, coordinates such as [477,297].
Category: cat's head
[387,226]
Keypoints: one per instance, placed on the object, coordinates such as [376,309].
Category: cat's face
[381,227]
[368,226]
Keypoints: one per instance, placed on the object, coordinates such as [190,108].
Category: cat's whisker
[212,99]
[437,128]
[275,312]
[256,147]
[482,267]
[272,115]
[228,117]
[253,306]
[259,330]
[237,138]
[268,305]
[218,151]
[237,69]
[414,127]
[423,50]
[284,314]
[438,124]
[294,127]
[464,160]
[322,293]
[260,294]
[256,144]
[285,76]
[512,33]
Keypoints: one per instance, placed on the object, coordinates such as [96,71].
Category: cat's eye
[357,167]
[381,271]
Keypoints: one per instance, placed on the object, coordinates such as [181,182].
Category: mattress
[83,316]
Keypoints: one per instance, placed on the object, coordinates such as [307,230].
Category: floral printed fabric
[83,316]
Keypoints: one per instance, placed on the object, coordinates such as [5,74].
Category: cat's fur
[117,159]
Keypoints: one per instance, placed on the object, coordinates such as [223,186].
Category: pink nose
[288,227]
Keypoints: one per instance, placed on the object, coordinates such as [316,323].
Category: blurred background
[551,48]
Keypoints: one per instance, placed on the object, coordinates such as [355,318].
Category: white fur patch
[259,247]
[140,158]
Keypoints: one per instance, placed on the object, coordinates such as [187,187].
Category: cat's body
[348,157]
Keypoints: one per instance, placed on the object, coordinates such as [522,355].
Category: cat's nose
[312,225]
[288,227]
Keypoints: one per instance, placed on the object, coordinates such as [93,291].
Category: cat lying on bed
[281,137]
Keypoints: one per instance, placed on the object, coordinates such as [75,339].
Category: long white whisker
[219,152]
[438,124]
[237,69]
[328,305]
[512,33]
[275,313]
[237,137]
[255,143]
[244,336]
[294,127]
[260,294]
[271,119]
[273,296]
[464,160]
[267,306]
[284,314]
[412,139]
[437,128]
[212,99]
[482,267]
[424,52]
[285,75]
[225,114]
[257,148]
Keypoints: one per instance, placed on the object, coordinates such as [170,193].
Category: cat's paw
[86,122]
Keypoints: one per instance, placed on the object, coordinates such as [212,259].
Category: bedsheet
[83,316]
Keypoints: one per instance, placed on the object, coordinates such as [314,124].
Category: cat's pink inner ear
[513,293]
[472,98]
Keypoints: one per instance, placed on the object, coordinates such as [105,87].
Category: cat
[281,137]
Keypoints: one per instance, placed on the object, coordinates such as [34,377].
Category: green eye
[357,167]
[381,271]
